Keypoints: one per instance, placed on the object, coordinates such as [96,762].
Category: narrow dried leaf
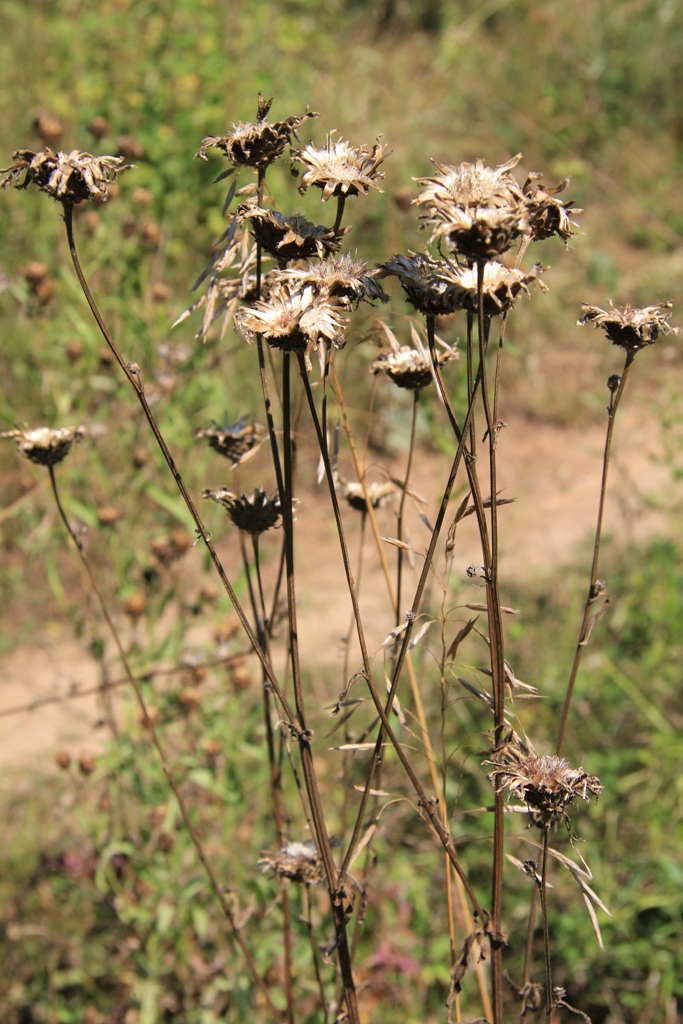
[458,639]
[594,921]
[394,634]
[462,508]
[355,746]
[396,543]
[420,633]
[373,792]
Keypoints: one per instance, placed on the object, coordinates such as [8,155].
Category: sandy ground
[552,472]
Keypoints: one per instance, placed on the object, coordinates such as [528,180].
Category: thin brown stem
[304,735]
[594,590]
[428,806]
[546,935]
[341,202]
[401,507]
[149,725]
[132,373]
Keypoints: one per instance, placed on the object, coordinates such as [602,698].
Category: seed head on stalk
[254,513]
[340,169]
[290,236]
[380,493]
[423,281]
[341,277]
[235,441]
[630,328]
[296,862]
[295,320]
[44,446]
[68,177]
[545,783]
[407,367]
[501,286]
[258,143]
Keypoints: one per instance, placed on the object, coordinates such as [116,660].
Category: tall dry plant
[298,313]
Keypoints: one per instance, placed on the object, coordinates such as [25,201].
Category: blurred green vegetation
[122,920]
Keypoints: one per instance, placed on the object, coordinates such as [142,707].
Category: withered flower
[408,367]
[237,441]
[423,281]
[340,277]
[501,286]
[44,446]
[290,236]
[296,862]
[254,513]
[545,783]
[341,169]
[69,177]
[548,215]
[257,143]
[294,320]
[379,493]
[479,233]
[470,186]
[631,328]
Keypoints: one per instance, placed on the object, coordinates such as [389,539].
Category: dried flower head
[254,513]
[545,783]
[340,277]
[409,367]
[294,320]
[290,236]
[501,286]
[69,177]
[630,328]
[479,233]
[257,143]
[469,186]
[423,281]
[548,215]
[379,493]
[296,862]
[235,441]
[44,446]
[341,169]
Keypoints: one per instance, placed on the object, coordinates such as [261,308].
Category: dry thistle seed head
[236,441]
[340,169]
[408,367]
[546,783]
[294,320]
[379,493]
[296,862]
[44,446]
[256,144]
[254,514]
[631,328]
[69,177]
[469,186]
[423,281]
[290,236]
[548,215]
[501,286]
[479,233]
[340,277]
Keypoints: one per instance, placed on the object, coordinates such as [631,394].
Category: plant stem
[593,590]
[546,934]
[149,725]
[399,571]
[132,373]
[427,805]
[304,735]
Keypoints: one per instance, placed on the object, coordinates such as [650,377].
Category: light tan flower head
[479,233]
[341,169]
[408,367]
[340,277]
[380,493]
[44,446]
[423,281]
[295,320]
[254,513]
[545,783]
[631,328]
[296,862]
[69,177]
[258,143]
[237,442]
[501,288]
[290,236]
[470,186]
